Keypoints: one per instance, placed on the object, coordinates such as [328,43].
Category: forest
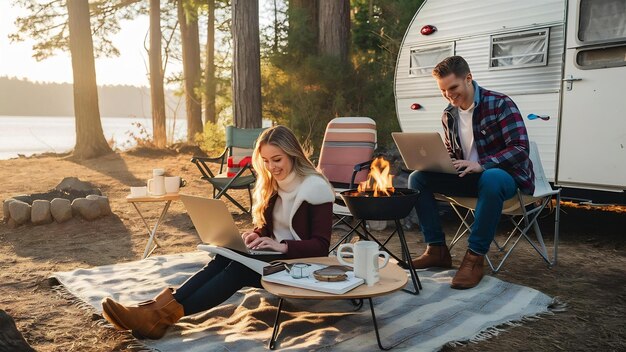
[308,62]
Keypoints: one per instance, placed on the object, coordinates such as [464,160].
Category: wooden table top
[164,198]
[392,278]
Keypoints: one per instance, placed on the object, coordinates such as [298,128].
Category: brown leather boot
[148,319]
[434,256]
[470,272]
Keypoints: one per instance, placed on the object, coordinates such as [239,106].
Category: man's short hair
[452,64]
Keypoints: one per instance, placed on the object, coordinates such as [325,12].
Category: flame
[379,179]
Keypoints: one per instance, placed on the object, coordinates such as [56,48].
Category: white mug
[366,263]
[172,184]
[156,185]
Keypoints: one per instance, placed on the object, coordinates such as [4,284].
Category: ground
[590,276]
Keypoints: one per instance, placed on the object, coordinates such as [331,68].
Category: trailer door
[592,135]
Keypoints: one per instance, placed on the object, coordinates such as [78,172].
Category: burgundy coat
[313,223]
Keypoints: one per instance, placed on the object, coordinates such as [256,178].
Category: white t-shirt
[466,134]
[287,191]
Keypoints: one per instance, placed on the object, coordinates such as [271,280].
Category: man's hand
[465,167]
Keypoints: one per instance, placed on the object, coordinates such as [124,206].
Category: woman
[292,213]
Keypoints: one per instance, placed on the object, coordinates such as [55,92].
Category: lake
[29,135]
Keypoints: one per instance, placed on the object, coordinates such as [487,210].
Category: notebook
[424,151]
[215,224]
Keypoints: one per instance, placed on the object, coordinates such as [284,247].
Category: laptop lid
[424,151]
[213,222]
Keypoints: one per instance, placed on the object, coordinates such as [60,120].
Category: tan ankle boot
[470,272]
[148,319]
[434,256]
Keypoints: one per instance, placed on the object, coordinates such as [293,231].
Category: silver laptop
[424,151]
[215,224]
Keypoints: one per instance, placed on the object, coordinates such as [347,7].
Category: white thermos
[156,185]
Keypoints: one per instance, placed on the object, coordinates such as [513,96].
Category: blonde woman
[292,213]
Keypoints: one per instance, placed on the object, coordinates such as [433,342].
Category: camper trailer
[562,62]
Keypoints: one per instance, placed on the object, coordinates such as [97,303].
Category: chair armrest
[201,161]
[358,168]
[210,159]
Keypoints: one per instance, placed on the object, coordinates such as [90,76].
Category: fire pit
[364,205]
[377,199]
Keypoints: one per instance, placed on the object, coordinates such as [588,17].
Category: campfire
[379,182]
[376,198]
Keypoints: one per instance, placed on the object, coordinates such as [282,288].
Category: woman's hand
[266,243]
[249,237]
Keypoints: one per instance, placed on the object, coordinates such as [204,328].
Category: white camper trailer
[564,61]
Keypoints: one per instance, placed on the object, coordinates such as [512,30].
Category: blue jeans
[492,187]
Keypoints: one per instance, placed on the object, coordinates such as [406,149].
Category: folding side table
[167,199]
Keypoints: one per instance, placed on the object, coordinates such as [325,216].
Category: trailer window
[601,20]
[588,59]
[519,49]
[423,60]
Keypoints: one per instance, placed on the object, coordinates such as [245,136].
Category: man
[487,140]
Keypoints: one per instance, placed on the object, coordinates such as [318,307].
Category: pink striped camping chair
[345,159]
[348,146]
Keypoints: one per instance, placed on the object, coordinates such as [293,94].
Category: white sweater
[292,191]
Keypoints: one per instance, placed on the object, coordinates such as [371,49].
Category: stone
[12,224]
[40,212]
[377,225]
[24,198]
[20,211]
[61,209]
[5,209]
[74,184]
[11,338]
[103,203]
[87,208]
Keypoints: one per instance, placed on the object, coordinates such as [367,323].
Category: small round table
[392,278]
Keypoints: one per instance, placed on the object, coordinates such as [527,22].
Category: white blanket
[437,316]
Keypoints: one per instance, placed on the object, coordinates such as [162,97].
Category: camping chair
[523,211]
[236,159]
[345,159]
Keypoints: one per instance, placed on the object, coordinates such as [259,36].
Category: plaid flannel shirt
[499,133]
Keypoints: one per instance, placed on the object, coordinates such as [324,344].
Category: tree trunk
[90,141]
[246,64]
[209,68]
[157,94]
[191,68]
[334,28]
[303,31]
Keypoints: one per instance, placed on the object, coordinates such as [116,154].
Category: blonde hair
[266,185]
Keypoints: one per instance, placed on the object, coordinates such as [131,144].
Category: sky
[129,68]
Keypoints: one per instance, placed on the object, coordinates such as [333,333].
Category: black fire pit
[364,205]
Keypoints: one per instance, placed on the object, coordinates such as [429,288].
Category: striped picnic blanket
[426,322]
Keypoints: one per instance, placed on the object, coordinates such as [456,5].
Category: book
[310,283]
[254,264]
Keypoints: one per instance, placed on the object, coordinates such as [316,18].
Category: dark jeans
[214,284]
[492,187]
